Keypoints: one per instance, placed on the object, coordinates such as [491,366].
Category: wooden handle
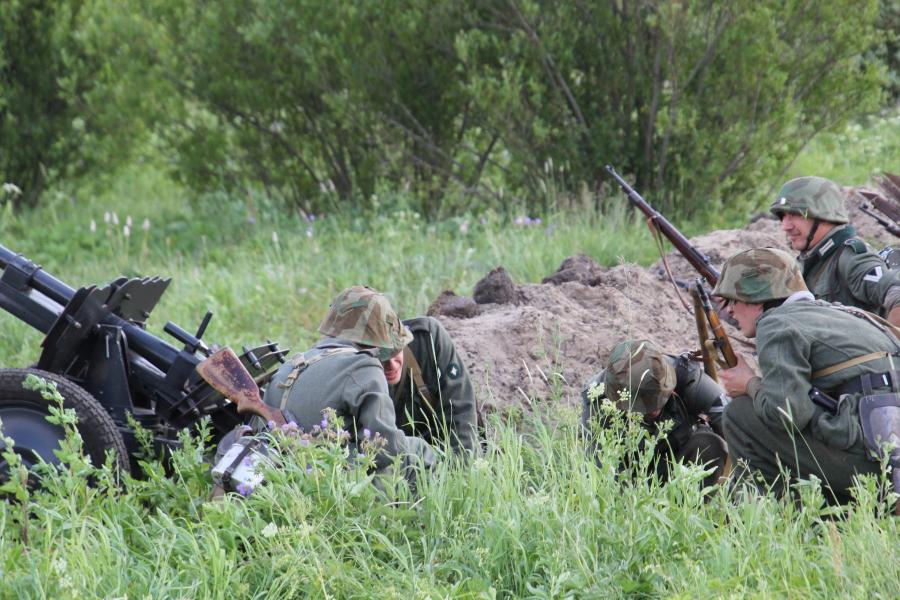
[224,372]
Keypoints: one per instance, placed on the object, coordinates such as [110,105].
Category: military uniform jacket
[794,341]
[352,383]
[448,409]
[842,268]
[695,394]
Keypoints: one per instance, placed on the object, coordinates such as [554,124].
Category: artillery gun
[108,366]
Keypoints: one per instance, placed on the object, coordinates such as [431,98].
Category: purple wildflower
[519,221]
[324,423]
[304,442]
[308,469]
[271,425]
[366,433]
[244,489]
[537,221]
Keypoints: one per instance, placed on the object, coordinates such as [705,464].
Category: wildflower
[11,189]
[527,220]
[537,221]
[367,433]
[107,217]
[251,220]
[126,231]
[247,462]
[115,218]
[244,489]
[519,221]
[146,225]
[464,227]
[93,226]
[270,425]
[269,530]
[128,221]
[309,469]
[274,237]
[304,442]
[310,217]
[309,232]
[324,423]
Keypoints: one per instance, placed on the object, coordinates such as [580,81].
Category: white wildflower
[146,225]
[11,189]
[274,237]
[126,231]
[270,530]
[93,226]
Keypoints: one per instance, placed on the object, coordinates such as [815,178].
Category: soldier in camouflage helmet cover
[638,377]
[837,264]
[349,370]
[802,343]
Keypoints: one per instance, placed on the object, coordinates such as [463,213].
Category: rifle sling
[411,366]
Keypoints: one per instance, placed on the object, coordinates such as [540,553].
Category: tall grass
[533,517]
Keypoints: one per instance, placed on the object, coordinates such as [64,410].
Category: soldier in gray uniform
[810,352]
[837,265]
[663,388]
[349,370]
[434,398]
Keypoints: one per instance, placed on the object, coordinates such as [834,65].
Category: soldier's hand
[735,380]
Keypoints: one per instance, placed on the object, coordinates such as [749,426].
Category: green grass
[850,157]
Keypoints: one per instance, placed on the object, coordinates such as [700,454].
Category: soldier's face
[796,228]
[393,368]
[746,315]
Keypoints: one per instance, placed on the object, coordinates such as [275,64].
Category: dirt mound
[559,333]
[496,287]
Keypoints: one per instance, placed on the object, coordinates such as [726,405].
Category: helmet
[813,198]
[760,275]
[640,367]
[362,315]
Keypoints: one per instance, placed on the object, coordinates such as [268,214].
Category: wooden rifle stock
[681,243]
[722,343]
[890,225]
[224,372]
[707,345]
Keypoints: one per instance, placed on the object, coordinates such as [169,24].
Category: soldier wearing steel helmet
[349,371]
[810,353]
[837,265]
[639,377]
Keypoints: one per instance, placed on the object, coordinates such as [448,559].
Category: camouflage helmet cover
[813,198]
[760,275]
[643,370]
[362,315]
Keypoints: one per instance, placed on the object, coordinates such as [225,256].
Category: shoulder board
[857,244]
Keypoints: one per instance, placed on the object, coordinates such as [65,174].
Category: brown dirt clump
[449,304]
[496,287]
[580,268]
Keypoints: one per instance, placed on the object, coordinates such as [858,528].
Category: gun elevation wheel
[23,414]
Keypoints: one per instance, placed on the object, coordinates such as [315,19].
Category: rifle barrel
[681,243]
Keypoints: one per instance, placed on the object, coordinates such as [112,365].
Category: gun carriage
[108,366]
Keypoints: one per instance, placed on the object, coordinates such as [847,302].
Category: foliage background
[471,105]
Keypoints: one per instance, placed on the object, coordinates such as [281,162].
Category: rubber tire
[97,429]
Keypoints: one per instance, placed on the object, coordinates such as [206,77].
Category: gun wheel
[23,417]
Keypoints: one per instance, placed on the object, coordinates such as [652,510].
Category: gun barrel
[681,243]
[42,314]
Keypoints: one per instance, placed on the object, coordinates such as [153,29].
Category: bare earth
[544,341]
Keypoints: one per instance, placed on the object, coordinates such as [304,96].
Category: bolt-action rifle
[888,224]
[657,222]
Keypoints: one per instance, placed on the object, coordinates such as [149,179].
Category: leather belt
[858,384]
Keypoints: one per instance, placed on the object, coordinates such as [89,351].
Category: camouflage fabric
[813,198]
[640,368]
[363,316]
[759,275]
[777,425]
[695,400]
